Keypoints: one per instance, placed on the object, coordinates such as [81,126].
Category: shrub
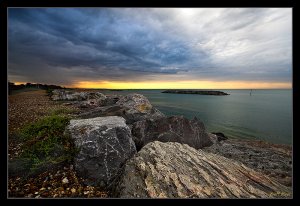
[50,126]
[46,144]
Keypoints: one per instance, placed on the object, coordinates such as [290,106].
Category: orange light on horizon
[19,83]
[183,85]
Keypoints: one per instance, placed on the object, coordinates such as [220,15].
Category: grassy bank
[44,146]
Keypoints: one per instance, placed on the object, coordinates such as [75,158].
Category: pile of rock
[132,107]
[86,98]
[131,148]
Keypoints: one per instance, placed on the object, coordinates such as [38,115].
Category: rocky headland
[200,92]
[132,150]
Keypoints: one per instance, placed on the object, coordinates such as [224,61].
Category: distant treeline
[12,86]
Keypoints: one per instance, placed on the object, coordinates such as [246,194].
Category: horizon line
[179,89]
[204,85]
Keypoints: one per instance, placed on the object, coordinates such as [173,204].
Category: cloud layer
[64,45]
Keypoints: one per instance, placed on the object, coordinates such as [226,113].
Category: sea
[262,115]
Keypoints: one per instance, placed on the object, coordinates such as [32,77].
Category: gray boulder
[94,99]
[137,107]
[104,144]
[62,94]
[133,107]
[69,95]
[174,170]
[171,129]
[111,99]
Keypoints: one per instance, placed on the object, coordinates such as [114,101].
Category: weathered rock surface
[201,92]
[137,107]
[69,95]
[95,99]
[132,107]
[175,170]
[104,111]
[104,144]
[171,129]
[111,99]
[270,159]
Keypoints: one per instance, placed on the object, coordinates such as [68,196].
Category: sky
[151,48]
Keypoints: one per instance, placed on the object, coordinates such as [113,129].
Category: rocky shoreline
[274,160]
[129,148]
[200,92]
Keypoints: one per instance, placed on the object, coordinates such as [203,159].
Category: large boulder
[94,99]
[104,144]
[171,129]
[62,94]
[111,99]
[137,107]
[69,95]
[174,170]
[113,110]
[133,107]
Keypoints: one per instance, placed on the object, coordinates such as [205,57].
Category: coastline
[264,154]
[272,160]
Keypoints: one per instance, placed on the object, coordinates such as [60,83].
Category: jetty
[200,92]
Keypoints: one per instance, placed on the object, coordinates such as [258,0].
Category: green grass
[45,142]
[49,126]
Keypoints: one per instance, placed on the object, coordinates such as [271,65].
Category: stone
[132,107]
[104,144]
[62,94]
[174,170]
[111,99]
[220,136]
[65,181]
[95,99]
[69,95]
[137,107]
[103,111]
[171,129]
[261,156]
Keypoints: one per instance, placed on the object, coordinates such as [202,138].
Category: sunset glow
[183,85]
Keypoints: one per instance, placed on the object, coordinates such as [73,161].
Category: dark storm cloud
[67,45]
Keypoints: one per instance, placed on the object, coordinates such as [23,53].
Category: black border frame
[113,3]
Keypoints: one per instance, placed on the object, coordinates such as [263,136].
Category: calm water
[265,115]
